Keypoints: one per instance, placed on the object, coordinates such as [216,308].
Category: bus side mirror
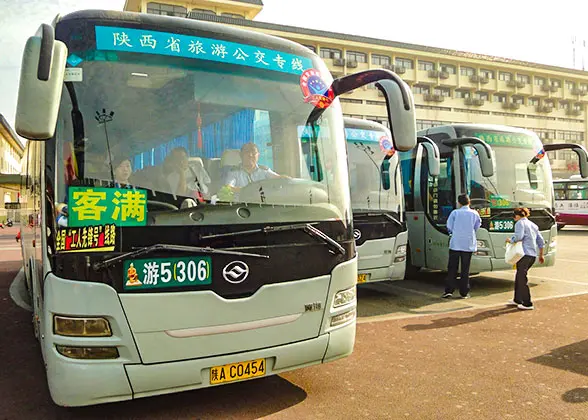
[41,81]
[385,174]
[583,158]
[487,164]
[433,158]
[401,117]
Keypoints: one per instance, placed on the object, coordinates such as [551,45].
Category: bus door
[439,197]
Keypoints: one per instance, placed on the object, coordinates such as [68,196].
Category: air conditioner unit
[484,80]
[340,62]
[433,73]
[399,69]
[443,75]
[388,67]
[352,64]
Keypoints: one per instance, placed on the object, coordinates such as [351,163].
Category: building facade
[449,86]
[11,152]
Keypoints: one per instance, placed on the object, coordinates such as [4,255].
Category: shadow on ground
[455,321]
[572,358]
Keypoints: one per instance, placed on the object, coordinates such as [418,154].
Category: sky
[520,29]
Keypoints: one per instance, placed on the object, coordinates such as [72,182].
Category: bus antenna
[104,118]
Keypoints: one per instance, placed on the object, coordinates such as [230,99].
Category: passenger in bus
[122,170]
[528,233]
[248,170]
[462,225]
[181,178]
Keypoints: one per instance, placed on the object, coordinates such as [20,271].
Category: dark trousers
[464,280]
[522,292]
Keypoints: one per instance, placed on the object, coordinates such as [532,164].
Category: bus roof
[489,127]
[190,26]
[365,124]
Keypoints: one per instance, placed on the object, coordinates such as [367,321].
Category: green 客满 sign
[117,206]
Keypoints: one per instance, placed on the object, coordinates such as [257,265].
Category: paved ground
[485,362]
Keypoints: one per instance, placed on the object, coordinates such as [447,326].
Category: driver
[248,171]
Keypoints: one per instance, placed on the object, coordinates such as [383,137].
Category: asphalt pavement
[482,361]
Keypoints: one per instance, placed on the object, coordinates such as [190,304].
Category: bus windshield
[186,122]
[366,150]
[522,177]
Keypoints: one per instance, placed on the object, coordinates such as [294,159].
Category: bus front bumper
[72,382]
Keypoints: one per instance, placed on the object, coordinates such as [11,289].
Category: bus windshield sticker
[167,272]
[73,60]
[502,225]
[507,139]
[499,202]
[315,90]
[117,206]
[73,74]
[111,38]
[484,212]
[99,238]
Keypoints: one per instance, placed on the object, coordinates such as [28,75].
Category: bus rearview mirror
[402,119]
[432,158]
[41,81]
[486,161]
[399,101]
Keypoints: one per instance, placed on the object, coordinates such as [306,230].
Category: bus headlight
[343,318]
[481,244]
[344,297]
[87,352]
[401,250]
[552,245]
[81,327]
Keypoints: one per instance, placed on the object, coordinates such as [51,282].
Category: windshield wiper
[319,234]
[307,227]
[167,247]
[266,229]
[386,215]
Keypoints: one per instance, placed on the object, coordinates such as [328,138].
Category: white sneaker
[526,308]
[511,303]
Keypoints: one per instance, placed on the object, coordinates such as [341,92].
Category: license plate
[362,278]
[237,371]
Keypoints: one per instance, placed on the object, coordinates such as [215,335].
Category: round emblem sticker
[386,146]
[356,234]
[315,90]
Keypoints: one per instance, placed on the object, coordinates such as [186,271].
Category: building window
[421,89]
[330,53]
[539,81]
[379,103]
[556,83]
[523,78]
[584,87]
[481,95]
[233,15]
[356,56]
[579,107]
[426,65]
[549,102]
[488,74]
[350,101]
[563,105]
[379,120]
[404,62]
[446,92]
[380,60]
[467,71]
[518,100]
[533,102]
[169,10]
[570,85]
[462,93]
[498,98]
[505,76]
[311,48]
[448,68]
